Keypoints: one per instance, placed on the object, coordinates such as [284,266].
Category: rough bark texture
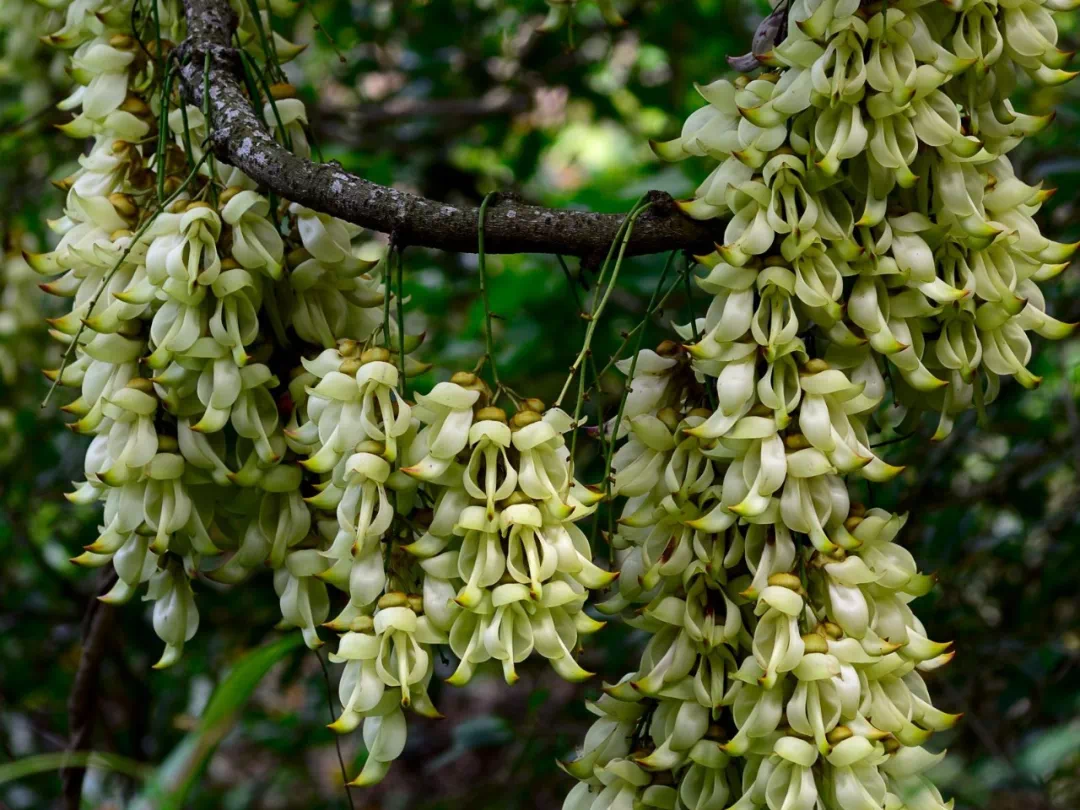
[240,139]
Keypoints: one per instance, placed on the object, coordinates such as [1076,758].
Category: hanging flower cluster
[870,164]
[169,259]
[442,522]
[244,388]
[454,525]
[880,253]
[784,664]
[174,265]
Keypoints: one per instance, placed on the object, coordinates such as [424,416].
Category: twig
[242,140]
[84,700]
[602,296]
[481,257]
[400,315]
[594,318]
[337,739]
[710,392]
[610,454]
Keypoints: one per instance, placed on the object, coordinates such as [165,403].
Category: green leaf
[174,778]
[1050,750]
[42,763]
[485,731]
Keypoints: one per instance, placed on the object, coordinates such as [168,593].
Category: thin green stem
[571,281]
[601,298]
[156,14]
[690,302]
[163,130]
[206,118]
[386,268]
[591,368]
[387,265]
[247,68]
[709,391]
[256,15]
[481,259]
[894,440]
[401,316]
[188,150]
[610,454]
[273,44]
[982,419]
[134,21]
[594,319]
[333,716]
[261,75]
[640,326]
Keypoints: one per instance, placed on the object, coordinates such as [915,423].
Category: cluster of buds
[784,664]
[870,164]
[880,253]
[185,285]
[442,522]
[453,525]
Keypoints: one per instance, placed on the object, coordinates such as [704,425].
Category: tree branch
[240,139]
[83,700]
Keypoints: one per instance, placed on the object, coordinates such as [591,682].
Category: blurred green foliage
[453,99]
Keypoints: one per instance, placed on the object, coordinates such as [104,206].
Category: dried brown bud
[796,441]
[282,90]
[789,581]
[124,204]
[393,599]
[376,354]
[839,734]
[228,194]
[492,414]
[523,418]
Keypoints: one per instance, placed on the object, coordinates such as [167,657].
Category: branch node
[240,138]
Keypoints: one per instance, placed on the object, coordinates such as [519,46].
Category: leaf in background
[42,763]
[1050,750]
[485,731]
[174,778]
